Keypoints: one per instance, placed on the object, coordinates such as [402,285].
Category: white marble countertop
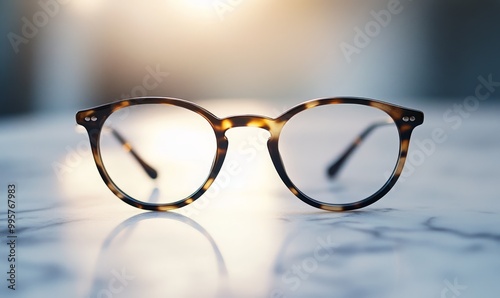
[436,234]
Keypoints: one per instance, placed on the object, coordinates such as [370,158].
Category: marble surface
[436,234]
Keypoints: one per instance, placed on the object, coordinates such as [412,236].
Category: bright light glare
[195,8]
[86,7]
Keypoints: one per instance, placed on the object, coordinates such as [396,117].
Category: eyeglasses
[335,154]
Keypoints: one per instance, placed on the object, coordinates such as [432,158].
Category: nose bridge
[273,126]
[248,121]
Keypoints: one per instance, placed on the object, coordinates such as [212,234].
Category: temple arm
[336,166]
[126,145]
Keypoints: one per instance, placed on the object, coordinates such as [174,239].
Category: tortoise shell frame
[405,119]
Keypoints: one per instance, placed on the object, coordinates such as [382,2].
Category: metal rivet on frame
[88,119]
[411,119]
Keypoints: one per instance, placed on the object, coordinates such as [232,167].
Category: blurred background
[69,54]
[252,56]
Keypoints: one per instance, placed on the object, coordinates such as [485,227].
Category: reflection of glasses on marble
[125,228]
[185,146]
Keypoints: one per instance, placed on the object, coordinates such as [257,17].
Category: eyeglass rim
[405,119]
